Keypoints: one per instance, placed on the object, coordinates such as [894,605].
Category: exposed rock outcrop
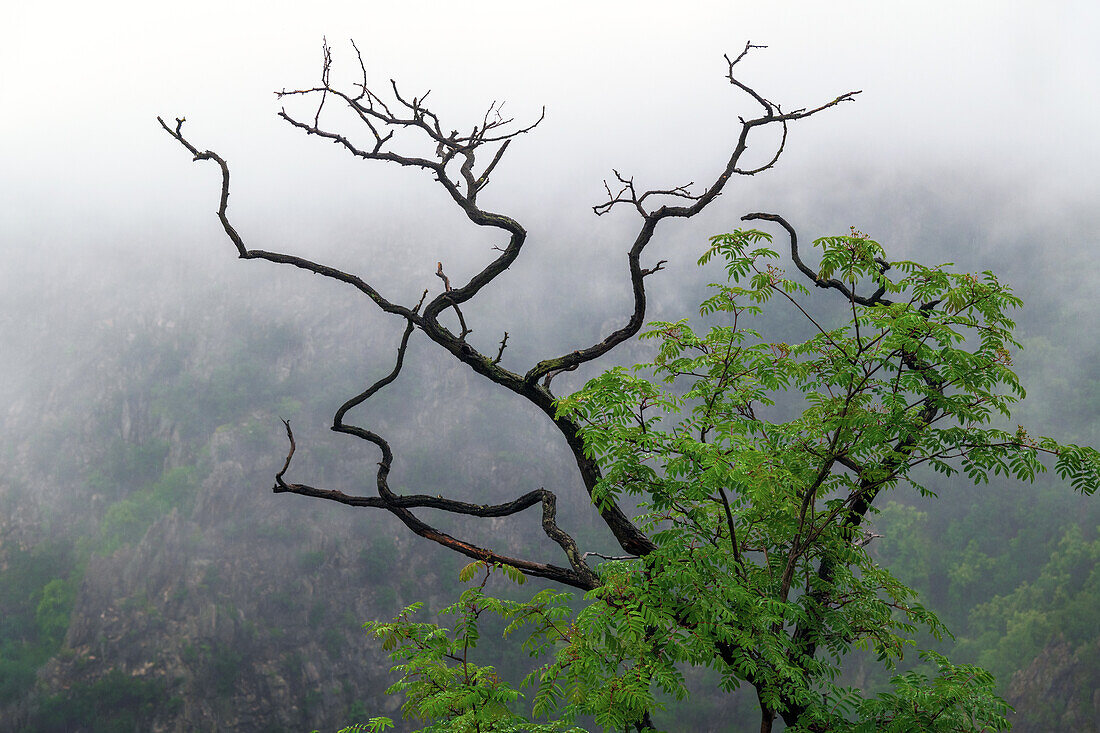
[1059,690]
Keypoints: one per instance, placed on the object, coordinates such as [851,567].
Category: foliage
[439,677]
[755,502]
[224,667]
[242,379]
[37,588]
[128,466]
[959,698]
[1009,630]
[115,703]
[126,521]
[51,615]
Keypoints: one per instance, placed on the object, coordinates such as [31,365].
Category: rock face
[1059,690]
[244,614]
[200,601]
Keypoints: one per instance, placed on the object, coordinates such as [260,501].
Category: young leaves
[756,465]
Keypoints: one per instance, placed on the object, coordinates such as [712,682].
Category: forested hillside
[149,580]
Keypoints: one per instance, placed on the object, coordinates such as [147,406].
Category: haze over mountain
[144,368]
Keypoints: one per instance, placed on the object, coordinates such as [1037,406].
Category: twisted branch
[451,158]
[579,575]
[382,118]
[651,218]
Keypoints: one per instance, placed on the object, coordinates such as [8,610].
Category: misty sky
[983,97]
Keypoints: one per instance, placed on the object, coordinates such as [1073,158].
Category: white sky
[997,90]
[990,107]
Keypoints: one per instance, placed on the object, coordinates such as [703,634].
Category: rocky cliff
[149,580]
[1059,690]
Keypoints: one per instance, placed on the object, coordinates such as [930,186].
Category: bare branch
[483,179]
[384,114]
[245,253]
[578,576]
[289,455]
[628,195]
[382,119]
[866,539]
[650,219]
[773,161]
[447,289]
[500,352]
[875,299]
[769,108]
[550,375]
[338,419]
[440,274]
[609,557]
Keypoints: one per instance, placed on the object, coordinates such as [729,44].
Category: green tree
[760,569]
[52,613]
[755,464]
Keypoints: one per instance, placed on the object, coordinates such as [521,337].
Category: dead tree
[459,165]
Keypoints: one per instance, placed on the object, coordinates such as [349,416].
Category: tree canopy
[760,568]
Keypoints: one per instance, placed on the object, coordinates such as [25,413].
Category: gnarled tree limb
[452,159]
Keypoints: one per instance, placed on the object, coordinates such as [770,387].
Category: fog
[982,93]
[973,139]
[988,108]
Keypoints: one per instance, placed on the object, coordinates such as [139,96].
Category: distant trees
[747,553]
